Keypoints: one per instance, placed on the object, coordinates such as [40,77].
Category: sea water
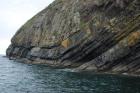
[27,78]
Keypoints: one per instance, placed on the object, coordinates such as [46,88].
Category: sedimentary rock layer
[96,35]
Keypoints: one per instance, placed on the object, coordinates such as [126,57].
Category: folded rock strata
[95,35]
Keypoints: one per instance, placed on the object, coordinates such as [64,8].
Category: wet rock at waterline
[95,35]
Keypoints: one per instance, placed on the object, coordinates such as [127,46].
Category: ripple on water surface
[24,78]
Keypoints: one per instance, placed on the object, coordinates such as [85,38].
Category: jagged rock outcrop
[96,35]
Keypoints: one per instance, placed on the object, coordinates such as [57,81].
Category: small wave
[67,70]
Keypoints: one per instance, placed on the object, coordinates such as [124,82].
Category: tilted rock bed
[95,35]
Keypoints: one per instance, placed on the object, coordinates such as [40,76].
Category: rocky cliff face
[96,35]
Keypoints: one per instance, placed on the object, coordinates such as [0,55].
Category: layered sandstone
[95,35]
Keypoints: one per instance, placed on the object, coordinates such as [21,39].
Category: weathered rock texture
[96,35]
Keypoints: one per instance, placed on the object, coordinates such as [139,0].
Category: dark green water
[23,78]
